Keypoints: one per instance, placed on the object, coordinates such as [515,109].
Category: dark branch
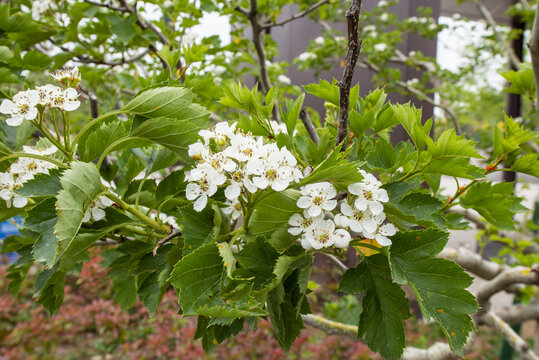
[354,47]
[301,14]
[304,116]
[87,60]
[173,234]
[94,101]
[533,45]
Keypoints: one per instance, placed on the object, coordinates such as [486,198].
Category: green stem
[89,125]
[34,156]
[413,171]
[142,232]
[51,138]
[65,119]
[138,192]
[139,215]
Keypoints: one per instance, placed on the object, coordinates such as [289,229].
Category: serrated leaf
[439,284]
[456,166]
[257,260]
[50,285]
[42,184]
[335,168]
[510,138]
[417,208]
[273,212]
[81,184]
[98,140]
[384,305]
[325,90]
[449,144]
[527,164]
[199,228]
[496,203]
[410,118]
[384,155]
[41,219]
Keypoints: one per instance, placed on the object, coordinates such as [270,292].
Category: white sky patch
[452,42]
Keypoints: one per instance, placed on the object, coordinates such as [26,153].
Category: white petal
[15,120]
[86,217]
[382,195]
[295,230]
[314,211]
[341,238]
[192,191]
[382,240]
[106,201]
[8,107]
[304,202]
[329,205]
[355,189]
[388,229]
[71,105]
[361,204]
[200,203]
[31,114]
[356,226]
[232,192]
[347,209]
[98,214]
[306,243]
[279,185]
[370,225]
[20,201]
[295,220]
[376,207]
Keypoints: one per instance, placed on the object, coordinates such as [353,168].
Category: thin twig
[87,60]
[337,262]
[173,234]
[105,5]
[309,126]
[301,14]
[533,45]
[354,47]
[490,20]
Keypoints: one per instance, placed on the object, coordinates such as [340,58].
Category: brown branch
[533,45]
[311,130]
[516,342]
[94,101]
[508,277]
[301,14]
[490,21]
[354,47]
[87,60]
[517,314]
[173,234]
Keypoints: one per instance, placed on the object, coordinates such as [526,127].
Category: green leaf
[384,155]
[41,219]
[34,60]
[273,212]
[416,208]
[335,168]
[325,90]
[456,166]
[521,82]
[384,305]
[527,164]
[450,145]
[410,118]
[199,228]
[197,279]
[439,284]
[257,260]
[81,184]
[42,184]
[510,139]
[165,102]
[496,203]
[93,145]
[50,285]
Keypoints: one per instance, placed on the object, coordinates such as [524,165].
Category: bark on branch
[533,45]
[301,14]
[508,277]
[311,130]
[354,47]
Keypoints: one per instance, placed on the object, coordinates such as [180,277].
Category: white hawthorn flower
[380,47]
[233,209]
[302,223]
[283,79]
[67,76]
[369,195]
[46,94]
[220,133]
[361,222]
[323,234]
[306,56]
[204,182]
[65,99]
[317,198]
[242,147]
[381,234]
[275,170]
[8,186]
[278,128]
[22,107]
[167,219]
[96,210]
[319,40]
[196,150]
[238,180]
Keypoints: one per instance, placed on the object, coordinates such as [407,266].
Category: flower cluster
[360,216]
[24,169]
[244,165]
[26,104]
